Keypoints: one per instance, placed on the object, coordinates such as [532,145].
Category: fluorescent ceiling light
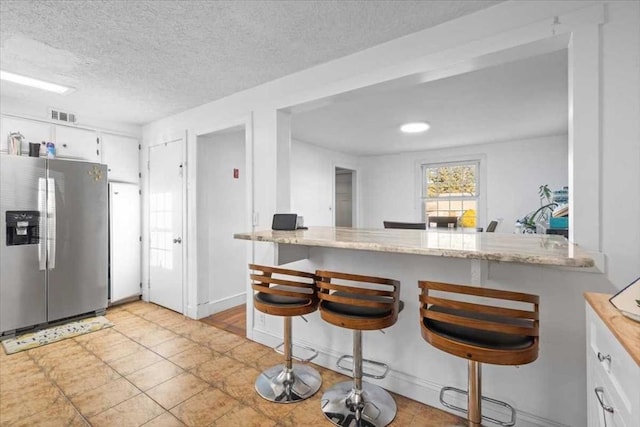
[28,81]
[415,127]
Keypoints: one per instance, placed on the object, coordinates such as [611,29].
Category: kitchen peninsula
[521,248]
[545,265]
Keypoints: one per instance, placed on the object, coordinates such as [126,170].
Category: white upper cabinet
[32,131]
[74,143]
[121,155]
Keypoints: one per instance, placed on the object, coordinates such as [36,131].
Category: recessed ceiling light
[414,127]
[28,81]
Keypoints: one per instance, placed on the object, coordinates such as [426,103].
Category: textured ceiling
[137,61]
[516,100]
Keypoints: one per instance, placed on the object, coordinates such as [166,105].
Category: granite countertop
[540,249]
[624,329]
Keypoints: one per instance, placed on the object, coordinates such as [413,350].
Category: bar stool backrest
[505,321]
[363,303]
[291,292]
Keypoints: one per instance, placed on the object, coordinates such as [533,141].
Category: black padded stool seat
[286,293]
[479,337]
[273,299]
[357,310]
[481,333]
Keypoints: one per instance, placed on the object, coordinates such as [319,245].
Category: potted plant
[528,223]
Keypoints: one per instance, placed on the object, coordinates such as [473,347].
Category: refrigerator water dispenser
[23,227]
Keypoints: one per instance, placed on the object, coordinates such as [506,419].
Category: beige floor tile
[22,368]
[427,416]
[154,374]
[156,336]
[173,346]
[142,307]
[216,370]
[274,411]
[240,384]
[187,328]
[86,379]
[8,361]
[57,350]
[118,351]
[192,357]
[250,353]
[135,361]
[226,342]
[19,382]
[104,397]
[205,407]
[97,335]
[61,413]
[164,420]
[243,417]
[133,412]
[164,317]
[69,367]
[307,413]
[176,390]
[269,359]
[26,401]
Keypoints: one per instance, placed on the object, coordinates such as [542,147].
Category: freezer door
[22,248]
[124,241]
[77,262]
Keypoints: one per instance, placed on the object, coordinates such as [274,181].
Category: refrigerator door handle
[42,237]
[51,223]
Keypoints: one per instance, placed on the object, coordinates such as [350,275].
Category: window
[450,190]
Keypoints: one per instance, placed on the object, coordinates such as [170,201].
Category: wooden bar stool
[481,334]
[282,292]
[365,303]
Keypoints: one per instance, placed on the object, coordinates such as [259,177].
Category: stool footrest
[314,353]
[372,363]
[509,423]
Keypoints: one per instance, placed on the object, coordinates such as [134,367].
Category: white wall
[510,177]
[312,175]
[620,157]
[221,207]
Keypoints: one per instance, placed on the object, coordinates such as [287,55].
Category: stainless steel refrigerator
[53,243]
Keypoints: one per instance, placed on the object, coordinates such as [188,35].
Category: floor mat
[55,333]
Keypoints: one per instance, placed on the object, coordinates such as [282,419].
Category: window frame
[479,164]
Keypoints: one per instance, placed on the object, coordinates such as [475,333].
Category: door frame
[245,122]
[180,138]
[355,192]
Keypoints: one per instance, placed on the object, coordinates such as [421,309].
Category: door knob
[178,240]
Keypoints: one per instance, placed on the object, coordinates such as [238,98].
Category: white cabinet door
[124,241]
[120,154]
[31,130]
[74,143]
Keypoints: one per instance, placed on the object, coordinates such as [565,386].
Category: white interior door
[165,225]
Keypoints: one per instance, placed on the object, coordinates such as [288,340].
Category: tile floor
[158,368]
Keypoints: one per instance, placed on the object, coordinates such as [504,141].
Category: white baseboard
[402,383]
[212,307]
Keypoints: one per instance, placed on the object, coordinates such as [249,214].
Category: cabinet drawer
[609,407]
[617,371]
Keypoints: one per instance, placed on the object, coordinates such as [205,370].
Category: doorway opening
[222,209]
[344,197]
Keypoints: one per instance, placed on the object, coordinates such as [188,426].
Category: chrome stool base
[372,406]
[282,385]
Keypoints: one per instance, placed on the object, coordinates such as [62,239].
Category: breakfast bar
[545,265]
